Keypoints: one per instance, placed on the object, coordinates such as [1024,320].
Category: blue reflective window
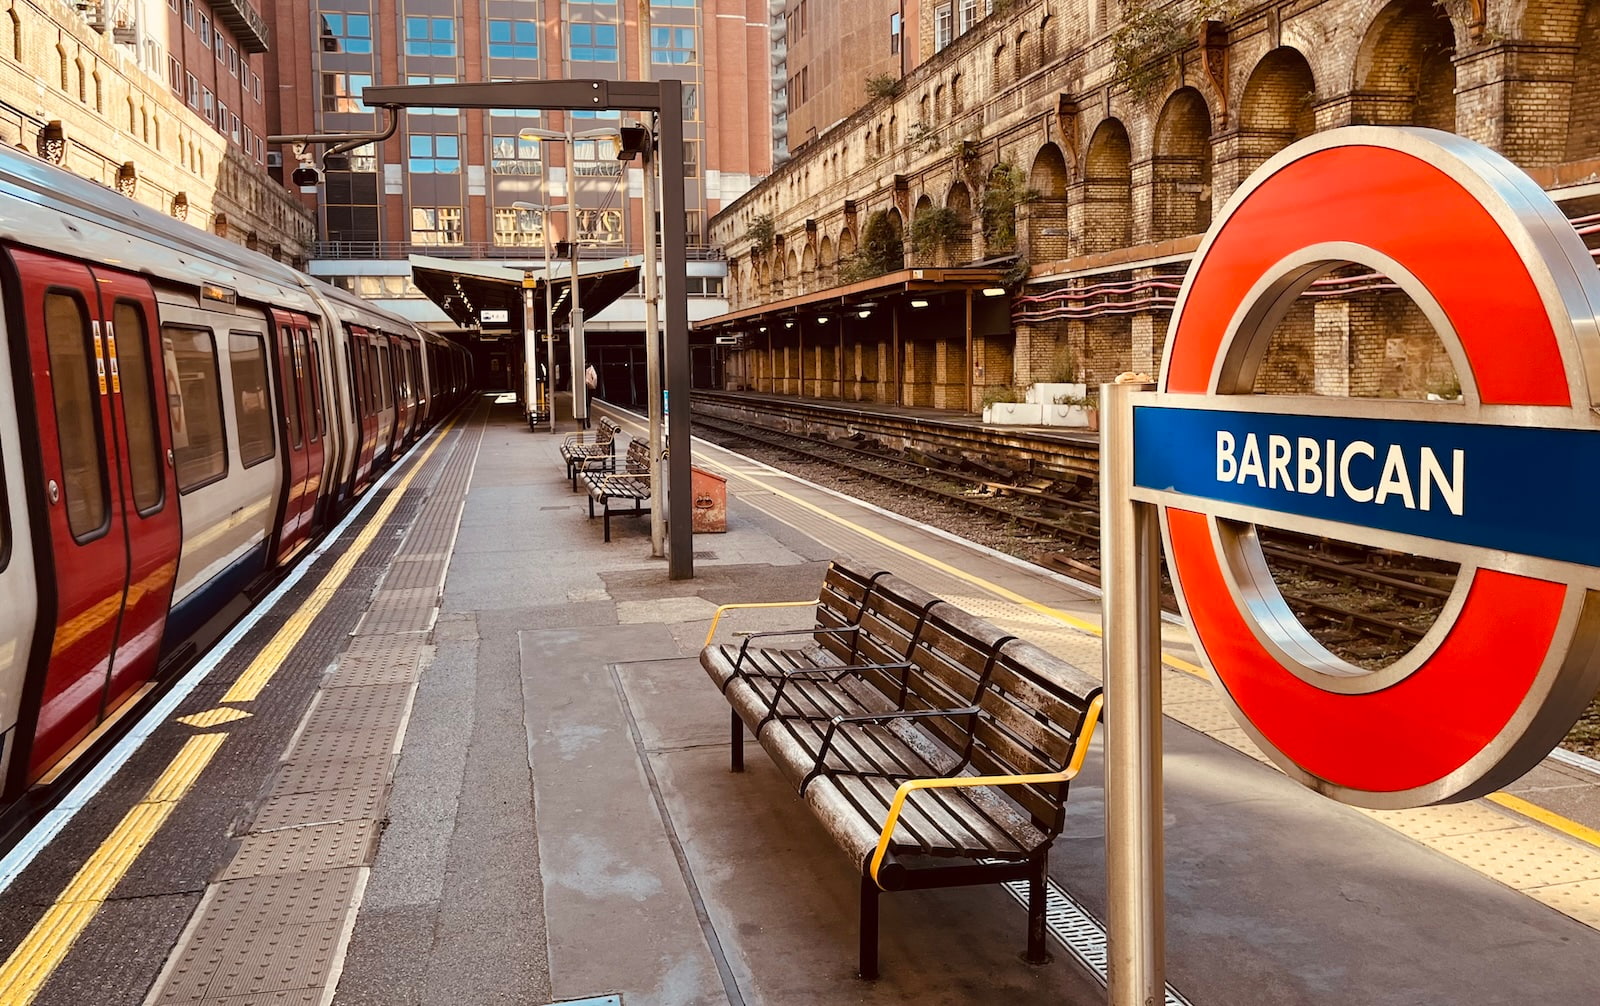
[594,43]
[430,36]
[351,33]
[672,45]
[435,154]
[513,39]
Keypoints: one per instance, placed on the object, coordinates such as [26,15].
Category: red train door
[111,501]
[294,512]
[310,371]
[400,377]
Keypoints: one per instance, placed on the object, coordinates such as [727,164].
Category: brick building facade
[162,101]
[1084,150]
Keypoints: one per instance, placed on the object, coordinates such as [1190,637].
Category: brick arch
[1404,69]
[825,261]
[1180,182]
[959,200]
[809,280]
[1583,113]
[923,253]
[791,276]
[1020,55]
[1108,189]
[1047,40]
[847,244]
[1275,109]
[1046,211]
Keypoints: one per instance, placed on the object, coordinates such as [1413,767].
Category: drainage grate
[1081,933]
[705,555]
[591,1001]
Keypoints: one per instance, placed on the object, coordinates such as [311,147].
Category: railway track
[1366,613]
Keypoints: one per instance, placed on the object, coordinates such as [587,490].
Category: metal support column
[680,499]
[1130,579]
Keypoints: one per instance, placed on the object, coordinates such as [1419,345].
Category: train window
[83,474]
[138,406]
[355,389]
[319,423]
[194,400]
[247,358]
[288,380]
[374,395]
[386,376]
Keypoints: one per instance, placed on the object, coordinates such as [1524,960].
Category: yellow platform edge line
[247,687]
[1549,818]
[45,947]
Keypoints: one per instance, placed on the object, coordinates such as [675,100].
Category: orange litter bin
[710,511]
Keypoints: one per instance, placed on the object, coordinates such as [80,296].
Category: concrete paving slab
[676,706]
[620,917]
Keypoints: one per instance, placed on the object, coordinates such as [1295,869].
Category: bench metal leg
[608,519]
[737,732]
[1037,954]
[869,928]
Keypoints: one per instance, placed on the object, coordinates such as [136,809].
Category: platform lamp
[580,406]
[532,347]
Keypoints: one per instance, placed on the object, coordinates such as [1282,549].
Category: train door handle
[53,491]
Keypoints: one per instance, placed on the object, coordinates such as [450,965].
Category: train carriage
[181,418]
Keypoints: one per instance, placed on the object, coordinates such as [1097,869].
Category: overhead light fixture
[822,319]
[994,291]
[634,140]
[919,303]
[763,328]
[788,324]
[864,312]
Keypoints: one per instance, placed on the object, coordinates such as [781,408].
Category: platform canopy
[465,290]
[900,288]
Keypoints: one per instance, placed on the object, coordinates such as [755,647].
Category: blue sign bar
[1517,489]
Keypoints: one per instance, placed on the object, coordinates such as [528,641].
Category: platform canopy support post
[1130,551]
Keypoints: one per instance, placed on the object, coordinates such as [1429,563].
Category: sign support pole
[1130,571]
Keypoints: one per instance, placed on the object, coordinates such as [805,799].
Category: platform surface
[491,770]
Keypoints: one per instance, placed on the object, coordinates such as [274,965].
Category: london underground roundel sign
[1506,482]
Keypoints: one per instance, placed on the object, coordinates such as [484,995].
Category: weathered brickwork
[1119,182]
[116,116]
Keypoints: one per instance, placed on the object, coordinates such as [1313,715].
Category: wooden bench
[631,484]
[934,749]
[591,451]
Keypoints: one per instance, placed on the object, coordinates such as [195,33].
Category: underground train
[179,418]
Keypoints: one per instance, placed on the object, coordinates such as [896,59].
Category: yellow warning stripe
[266,663]
[1551,819]
[37,956]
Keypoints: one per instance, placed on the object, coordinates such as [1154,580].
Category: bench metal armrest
[1080,750]
[869,719]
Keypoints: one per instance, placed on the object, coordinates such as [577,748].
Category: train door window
[355,387]
[194,400]
[303,380]
[247,358]
[318,421]
[416,375]
[386,376]
[73,387]
[138,406]
[374,379]
[289,379]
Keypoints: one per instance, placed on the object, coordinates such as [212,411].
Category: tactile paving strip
[303,850]
[270,929]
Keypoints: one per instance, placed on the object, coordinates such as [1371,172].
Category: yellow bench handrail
[1080,751]
[752,604]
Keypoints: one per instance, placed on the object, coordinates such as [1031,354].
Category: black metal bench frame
[632,484]
[596,452]
[899,687]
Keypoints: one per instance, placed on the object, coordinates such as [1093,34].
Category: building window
[233,61]
[894,33]
[191,92]
[205,31]
[600,226]
[435,154]
[518,228]
[341,92]
[969,16]
[208,104]
[188,13]
[672,3]
[430,36]
[233,127]
[594,43]
[515,155]
[175,73]
[941,27]
[672,45]
[513,39]
[691,158]
[220,44]
[691,102]
[596,158]
[350,33]
[694,227]
[222,117]
[436,225]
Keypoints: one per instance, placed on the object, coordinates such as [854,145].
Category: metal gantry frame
[665,99]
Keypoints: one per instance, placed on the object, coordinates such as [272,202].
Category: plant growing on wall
[882,85]
[1149,37]
[921,138]
[934,228]
[881,251]
[761,234]
[1006,191]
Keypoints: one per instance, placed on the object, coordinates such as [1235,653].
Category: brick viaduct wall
[1120,175]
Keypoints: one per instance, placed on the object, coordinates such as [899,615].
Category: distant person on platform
[591,380]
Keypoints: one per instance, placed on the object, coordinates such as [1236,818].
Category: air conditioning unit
[274,158]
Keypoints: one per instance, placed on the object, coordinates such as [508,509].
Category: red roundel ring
[1486,254]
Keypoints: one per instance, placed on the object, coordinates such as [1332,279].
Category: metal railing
[482,250]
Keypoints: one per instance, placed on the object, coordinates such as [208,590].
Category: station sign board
[1502,482]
